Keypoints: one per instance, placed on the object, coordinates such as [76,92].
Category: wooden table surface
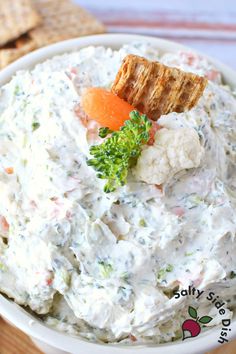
[13,341]
[209,26]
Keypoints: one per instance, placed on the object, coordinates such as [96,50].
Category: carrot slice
[105,107]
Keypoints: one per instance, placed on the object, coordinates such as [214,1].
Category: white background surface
[206,25]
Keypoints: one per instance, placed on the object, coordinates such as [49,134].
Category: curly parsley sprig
[120,151]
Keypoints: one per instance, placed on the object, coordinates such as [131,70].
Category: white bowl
[52,341]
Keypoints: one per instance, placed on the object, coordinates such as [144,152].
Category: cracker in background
[156,89]
[63,20]
[16,18]
[15,50]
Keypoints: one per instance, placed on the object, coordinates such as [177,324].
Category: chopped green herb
[162,272]
[232,275]
[142,223]
[120,151]
[2,267]
[193,201]
[24,162]
[25,140]
[105,269]
[66,277]
[35,126]
[125,276]
[17,90]
[188,254]
[169,268]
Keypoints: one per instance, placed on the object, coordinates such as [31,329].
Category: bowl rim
[25,321]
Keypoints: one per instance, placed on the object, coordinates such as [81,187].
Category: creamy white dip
[104,266]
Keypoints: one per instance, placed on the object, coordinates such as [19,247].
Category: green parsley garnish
[35,125]
[103,132]
[120,151]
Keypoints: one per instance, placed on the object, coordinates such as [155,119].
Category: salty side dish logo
[192,328]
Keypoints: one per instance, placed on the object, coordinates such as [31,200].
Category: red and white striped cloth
[206,25]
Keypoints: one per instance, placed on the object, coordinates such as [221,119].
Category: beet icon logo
[192,328]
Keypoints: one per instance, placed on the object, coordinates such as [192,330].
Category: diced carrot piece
[212,75]
[9,170]
[4,224]
[105,107]
[81,115]
[155,127]
[159,186]
[49,281]
[178,211]
[132,338]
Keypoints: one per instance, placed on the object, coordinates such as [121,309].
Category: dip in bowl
[109,269]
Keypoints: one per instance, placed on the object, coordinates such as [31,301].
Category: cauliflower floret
[173,150]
